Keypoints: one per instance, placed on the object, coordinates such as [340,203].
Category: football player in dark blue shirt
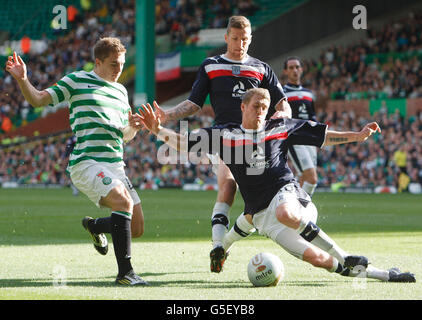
[256,153]
[225,78]
[301,101]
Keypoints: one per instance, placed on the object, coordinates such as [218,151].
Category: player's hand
[283,110]
[16,67]
[368,131]
[281,114]
[135,121]
[160,113]
[150,120]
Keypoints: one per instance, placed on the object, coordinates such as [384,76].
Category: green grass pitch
[46,254]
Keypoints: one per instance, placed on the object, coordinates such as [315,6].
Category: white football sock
[309,188]
[241,229]
[220,223]
[375,273]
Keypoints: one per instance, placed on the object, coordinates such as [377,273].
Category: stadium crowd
[182,19]
[390,159]
[388,62]
[377,162]
[63,55]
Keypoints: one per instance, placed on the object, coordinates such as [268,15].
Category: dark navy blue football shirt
[258,159]
[301,101]
[226,81]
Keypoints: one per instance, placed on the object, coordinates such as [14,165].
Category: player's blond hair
[261,92]
[105,46]
[238,22]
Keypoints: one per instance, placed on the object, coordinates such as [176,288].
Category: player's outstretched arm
[152,122]
[17,68]
[182,110]
[337,137]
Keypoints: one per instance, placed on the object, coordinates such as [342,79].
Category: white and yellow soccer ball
[265,270]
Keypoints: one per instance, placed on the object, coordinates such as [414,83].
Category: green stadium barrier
[384,57]
[388,105]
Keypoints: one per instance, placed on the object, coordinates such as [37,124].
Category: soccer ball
[265,270]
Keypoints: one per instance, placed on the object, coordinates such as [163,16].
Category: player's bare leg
[288,215]
[137,224]
[300,248]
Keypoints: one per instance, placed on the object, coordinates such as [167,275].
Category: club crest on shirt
[106,181]
[236,70]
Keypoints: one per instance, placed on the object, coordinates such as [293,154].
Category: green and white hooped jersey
[98,111]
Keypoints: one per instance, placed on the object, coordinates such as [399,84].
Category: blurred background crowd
[378,162]
[386,64]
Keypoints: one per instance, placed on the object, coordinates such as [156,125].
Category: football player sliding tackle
[275,204]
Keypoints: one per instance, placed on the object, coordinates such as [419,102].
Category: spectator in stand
[370,165]
[247,7]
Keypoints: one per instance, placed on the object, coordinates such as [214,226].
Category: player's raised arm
[152,121]
[337,137]
[17,68]
[182,110]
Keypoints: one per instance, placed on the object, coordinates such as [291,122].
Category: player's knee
[123,200]
[285,216]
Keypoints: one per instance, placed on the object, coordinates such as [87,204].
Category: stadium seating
[269,10]
[27,17]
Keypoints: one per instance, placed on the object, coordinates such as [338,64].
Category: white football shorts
[267,224]
[96,180]
[303,157]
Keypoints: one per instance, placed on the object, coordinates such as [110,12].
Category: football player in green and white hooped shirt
[101,119]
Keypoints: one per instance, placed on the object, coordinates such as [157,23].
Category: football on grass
[265,270]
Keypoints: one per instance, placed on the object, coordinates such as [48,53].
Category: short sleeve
[61,91]
[306,132]
[201,87]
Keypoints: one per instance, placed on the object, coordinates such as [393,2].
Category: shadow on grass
[87,282]
[200,284]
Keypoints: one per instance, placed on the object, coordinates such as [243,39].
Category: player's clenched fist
[369,130]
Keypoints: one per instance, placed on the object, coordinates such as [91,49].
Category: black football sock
[100,225]
[121,235]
